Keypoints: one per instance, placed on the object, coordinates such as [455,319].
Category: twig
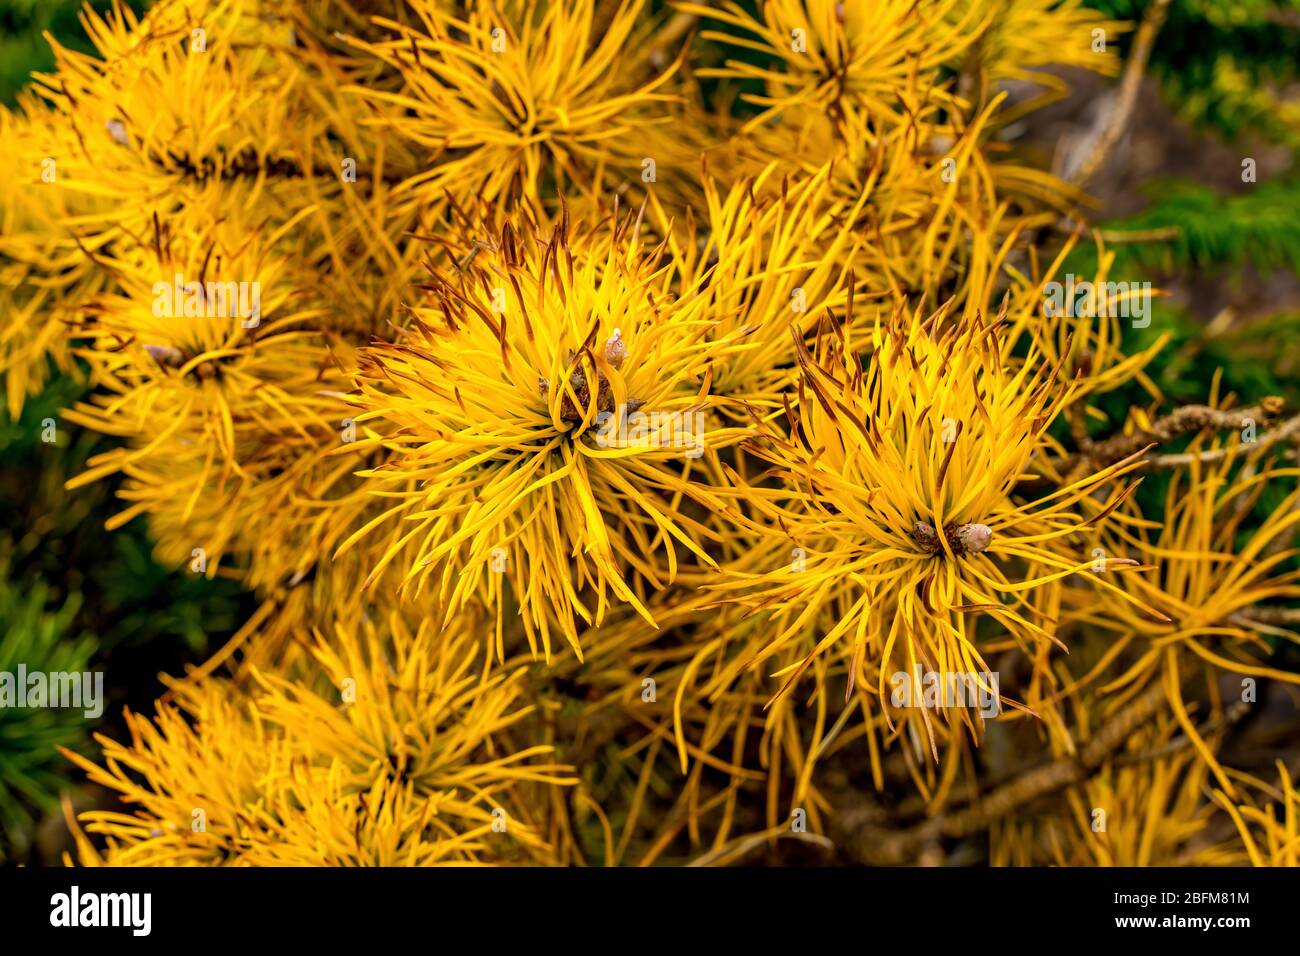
[1119,237]
[249,165]
[672,31]
[1181,421]
[1288,429]
[739,847]
[1131,82]
[1230,716]
[1266,615]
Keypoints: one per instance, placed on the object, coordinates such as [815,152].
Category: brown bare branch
[1130,83]
[1290,429]
[871,844]
[1179,422]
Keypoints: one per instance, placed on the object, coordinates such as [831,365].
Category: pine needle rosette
[894,487]
[214,373]
[542,415]
[875,66]
[171,109]
[936,209]
[209,336]
[899,96]
[847,60]
[395,732]
[1217,587]
[521,99]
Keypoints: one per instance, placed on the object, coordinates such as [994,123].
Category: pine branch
[1181,421]
[1290,429]
[249,165]
[873,845]
[1267,615]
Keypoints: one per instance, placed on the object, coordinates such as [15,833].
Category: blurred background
[1221,88]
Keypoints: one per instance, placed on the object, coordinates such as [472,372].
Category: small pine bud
[615,349]
[925,536]
[165,355]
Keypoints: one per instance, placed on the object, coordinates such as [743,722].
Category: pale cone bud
[974,538]
[615,349]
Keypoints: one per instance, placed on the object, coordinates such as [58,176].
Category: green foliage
[62,573]
[1250,361]
[1258,227]
[1224,63]
[1256,359]
[32,773]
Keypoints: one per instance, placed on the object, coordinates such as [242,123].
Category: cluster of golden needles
[608,437]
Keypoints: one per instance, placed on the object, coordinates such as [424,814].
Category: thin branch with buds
[1094,454]
[1179,422]
[1290,429]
